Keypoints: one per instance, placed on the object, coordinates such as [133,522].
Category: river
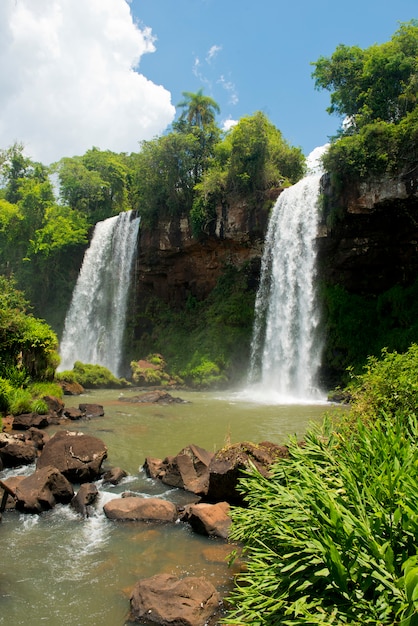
[58,569]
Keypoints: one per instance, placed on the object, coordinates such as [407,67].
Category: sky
[109,73]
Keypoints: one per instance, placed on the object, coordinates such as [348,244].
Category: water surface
[57,568]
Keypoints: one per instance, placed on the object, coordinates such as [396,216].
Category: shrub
[330,536]
[6,390]
[92,377]
[20,401]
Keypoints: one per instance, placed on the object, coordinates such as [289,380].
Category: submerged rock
[153,397]
[165,599]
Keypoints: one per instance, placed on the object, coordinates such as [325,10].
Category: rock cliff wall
[173,265]
[368,239]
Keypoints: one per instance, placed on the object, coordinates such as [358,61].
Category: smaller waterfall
[286,347]
[95,321]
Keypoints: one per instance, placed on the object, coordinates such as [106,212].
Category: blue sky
[262,53]
[108,73]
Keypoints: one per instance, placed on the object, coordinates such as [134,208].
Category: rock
[42,490]
[85,497]
[153,467]
[12,483]
[71,389]
[55,405]
[91,410]
[153,397]
[29,420]
[72,413]
[78,456]
[165,599]
[39,437]
[189,469]
[135,508]
[227,464]
[114,476]
[209,519]
[16,450]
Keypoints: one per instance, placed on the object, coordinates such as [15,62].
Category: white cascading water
[95,321]
[286,346]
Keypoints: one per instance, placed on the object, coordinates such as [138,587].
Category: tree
[199,110]
[379,83]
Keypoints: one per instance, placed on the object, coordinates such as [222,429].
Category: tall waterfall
[286,346]
[95,321]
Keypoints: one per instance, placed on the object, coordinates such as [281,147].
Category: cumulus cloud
[70,79]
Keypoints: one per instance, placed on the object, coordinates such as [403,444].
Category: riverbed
[58,568]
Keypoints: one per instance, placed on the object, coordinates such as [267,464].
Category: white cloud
[228,124]
[68,70]
[212,52]
[230,88]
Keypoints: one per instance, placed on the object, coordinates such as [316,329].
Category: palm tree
[199,110]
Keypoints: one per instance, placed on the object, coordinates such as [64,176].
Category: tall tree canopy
[379,83]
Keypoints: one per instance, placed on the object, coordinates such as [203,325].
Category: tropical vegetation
[330,535]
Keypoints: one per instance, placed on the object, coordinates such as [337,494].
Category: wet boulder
[165,599]
[189,469]
[54,404]
[78,456]
[16,450]
[72,413]
[145,509]
[114,476]
[91,410]
[209,519]
[84,498]
[30,420]
[43,490]
[227,464]
[9,485]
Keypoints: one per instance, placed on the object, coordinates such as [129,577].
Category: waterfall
[95,321]
[286,346]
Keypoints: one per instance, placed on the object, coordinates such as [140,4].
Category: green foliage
[330,536]
[379,83]
[203,373]
[387,385]
[92,377]
[39,389]
[376,91]
[20,401]
[6,389]
[95,184]
[357,326]
[25,341]
[206,341]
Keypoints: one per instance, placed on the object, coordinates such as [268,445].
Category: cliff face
[173,265]
[368,239]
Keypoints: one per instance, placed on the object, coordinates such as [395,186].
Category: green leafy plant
[92,376]
[330,535]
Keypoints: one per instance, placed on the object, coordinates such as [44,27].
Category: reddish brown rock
[29,420]
[16,450]
[38,437]
[71,389]
[91,410]
[165,599]
[209,519]
[78,456]
[187,470]
[12,484]
[153,467]
[227,465]
[55,405]
[72,413]
[114,476]
[84,498]
[42,490]
[135,508]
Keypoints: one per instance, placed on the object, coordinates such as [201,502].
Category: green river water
[57,569]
